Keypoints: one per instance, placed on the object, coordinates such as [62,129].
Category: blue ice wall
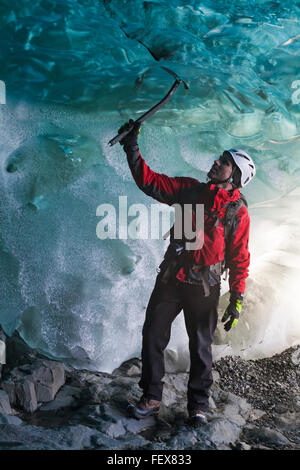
[74,71]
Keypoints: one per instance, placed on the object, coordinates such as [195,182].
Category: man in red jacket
[189,280]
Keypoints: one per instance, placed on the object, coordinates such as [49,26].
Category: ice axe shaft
[153,110]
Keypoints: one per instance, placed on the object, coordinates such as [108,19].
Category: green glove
[233,311]
[130,140]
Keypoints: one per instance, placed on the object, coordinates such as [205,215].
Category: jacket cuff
[236,296]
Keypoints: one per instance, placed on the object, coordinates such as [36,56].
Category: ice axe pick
[155,108]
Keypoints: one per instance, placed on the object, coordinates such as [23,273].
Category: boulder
[21,394]
[289,421]
[243,446]
[184,439]
[35,383]
[265,436]
[28,437]
[113,422]
[48,377]
[18,352]
[67,397]
[26,395]
[8,419]
[4,403]
[91,412]
[132,367]
[222,431]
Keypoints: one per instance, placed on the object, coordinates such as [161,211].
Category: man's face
[221,169]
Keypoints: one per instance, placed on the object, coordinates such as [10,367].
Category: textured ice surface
[74,71]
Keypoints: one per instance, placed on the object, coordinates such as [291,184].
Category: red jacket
[184,190]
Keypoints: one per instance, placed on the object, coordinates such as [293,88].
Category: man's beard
[210,176]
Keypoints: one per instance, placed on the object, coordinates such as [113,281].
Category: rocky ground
[48,405]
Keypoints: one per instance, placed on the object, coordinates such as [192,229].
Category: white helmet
[245,163]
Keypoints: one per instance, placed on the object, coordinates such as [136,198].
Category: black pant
[201,316]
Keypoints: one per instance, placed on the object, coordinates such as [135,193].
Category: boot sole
[141,414]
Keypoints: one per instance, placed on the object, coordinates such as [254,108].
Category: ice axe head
[154,109]
[177,78]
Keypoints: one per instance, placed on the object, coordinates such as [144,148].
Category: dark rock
[112,421]
[18,352]
[265,436]
[242,446]
[32,383]
[289,421]
[222,431]
[135,426]
[132,367]
[133,442]
[9,419]
[48,377]
[261,447]
[185,439]
[90,409]
[102,442]
[4,403]
[21,394]
[67,397]
[26,395]
[93,386]
[38,438]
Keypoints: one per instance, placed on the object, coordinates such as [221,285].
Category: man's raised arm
[159,186]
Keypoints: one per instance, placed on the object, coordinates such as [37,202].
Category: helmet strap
[228,180]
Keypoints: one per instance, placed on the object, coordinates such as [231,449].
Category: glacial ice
[74,72]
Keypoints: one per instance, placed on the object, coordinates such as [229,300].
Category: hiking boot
[145,407]
[197,418]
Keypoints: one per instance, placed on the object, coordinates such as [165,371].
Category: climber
[190,280]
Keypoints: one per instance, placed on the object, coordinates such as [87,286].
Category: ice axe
[155,108]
